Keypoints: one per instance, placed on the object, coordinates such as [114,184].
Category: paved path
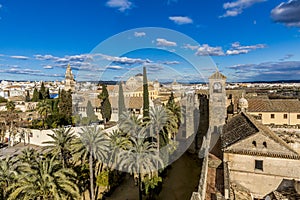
[182,179]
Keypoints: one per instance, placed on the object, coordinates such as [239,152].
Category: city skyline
[249,40]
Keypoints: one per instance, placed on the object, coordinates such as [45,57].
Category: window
[254,143]
[265,144]
[259,165]
[272,116]
[284,116]
[298,116]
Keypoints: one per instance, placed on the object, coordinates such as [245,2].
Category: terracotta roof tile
[274,105]
[242,126]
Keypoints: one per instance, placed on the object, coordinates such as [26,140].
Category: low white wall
[38,137]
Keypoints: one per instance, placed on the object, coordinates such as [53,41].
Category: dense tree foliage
[121,101]
[105,104]
[145,96]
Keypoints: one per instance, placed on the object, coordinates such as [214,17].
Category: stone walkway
[181,181]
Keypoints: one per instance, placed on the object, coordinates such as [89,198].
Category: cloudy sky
[248,40]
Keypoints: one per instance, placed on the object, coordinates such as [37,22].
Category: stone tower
[217,106]
[70,81]
[243,104]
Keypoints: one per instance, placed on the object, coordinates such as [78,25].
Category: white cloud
[139,34]
[124,60]
[287,13]
[191,47]
[206,50]
[45,57]
[237,7]
[114,67]
[181,20]
[165,43]
[170,62]
[48,67]
[237,49]
[121,5]
[20,57]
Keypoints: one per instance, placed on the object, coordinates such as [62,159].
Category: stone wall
[261,182]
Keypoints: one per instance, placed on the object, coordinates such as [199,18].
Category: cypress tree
[43,92]
[27,97]
[171,100]
[90,113]
[105,104]
[121,101]
[145,96]
[47,94]
[35,97]
[65,105]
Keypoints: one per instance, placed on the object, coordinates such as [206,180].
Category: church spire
[69,79]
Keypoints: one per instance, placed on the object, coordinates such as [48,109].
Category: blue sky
[249,40]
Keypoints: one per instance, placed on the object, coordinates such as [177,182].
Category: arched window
[265,144]
[254,143]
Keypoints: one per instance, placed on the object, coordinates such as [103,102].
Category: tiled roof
[242,126]
[130,102]
[274,105]
[238,128]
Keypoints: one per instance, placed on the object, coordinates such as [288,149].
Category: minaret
[69,82]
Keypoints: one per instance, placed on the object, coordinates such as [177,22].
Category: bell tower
[69,81]
[217,106]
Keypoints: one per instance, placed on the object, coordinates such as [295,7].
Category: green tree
[141,158]
[35,96]
[145,96]
[96,146]
[175,117]
[43,108]
[105,104]
[43,92]
[118,142]
[150,183]
[10,106]
[47,93]
[27,97]
[8,174]
[45,180]
[65,105]
[28,156]
[90,113]
[3,100]
[158,119]
[60,146]
[11,119]
[171,100]
[121,101]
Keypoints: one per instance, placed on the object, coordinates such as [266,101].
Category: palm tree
[44,180]
[43,108]
[96,146]
[141,158]
[118,141]
[60,145]
[8,174]
[10,119]
[2,131]
[27,156]
[176,112]
[158,119]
